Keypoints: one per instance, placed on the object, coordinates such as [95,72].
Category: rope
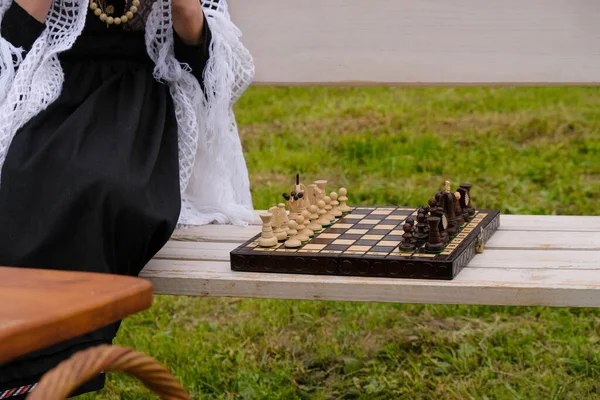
[61,381]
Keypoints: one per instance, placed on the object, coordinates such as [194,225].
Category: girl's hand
[188,20]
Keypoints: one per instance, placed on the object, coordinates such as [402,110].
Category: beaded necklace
[104,12]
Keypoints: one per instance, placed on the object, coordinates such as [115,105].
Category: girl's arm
[38,9]
[19,27]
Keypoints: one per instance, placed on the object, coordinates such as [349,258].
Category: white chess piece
[328,208]
[335,211]
[322,214]
[293,242]
[313,217]
[307,231]
[301,236]
[343,207]
[267,238]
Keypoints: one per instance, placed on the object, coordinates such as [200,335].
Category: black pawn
[469,207]
[435,243]
[460,220]
[421,232]
[407,242]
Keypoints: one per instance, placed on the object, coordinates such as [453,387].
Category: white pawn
[293,242]
[267,238]
[301,236]
[328,208]
[335,211]
[343,207]
[284,224]
[313,225]
[322,214]
[307,231]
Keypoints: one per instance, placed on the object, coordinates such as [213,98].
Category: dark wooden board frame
[394,265]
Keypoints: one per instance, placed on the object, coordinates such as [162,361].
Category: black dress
[92,182]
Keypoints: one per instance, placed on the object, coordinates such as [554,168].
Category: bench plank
[502,286]
[407,42]
[532,260]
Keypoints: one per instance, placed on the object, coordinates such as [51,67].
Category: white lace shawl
[213,173]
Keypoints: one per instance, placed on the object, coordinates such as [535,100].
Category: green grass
[526,150]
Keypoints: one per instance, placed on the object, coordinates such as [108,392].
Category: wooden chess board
[365,243]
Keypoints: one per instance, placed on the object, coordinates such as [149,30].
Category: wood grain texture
[39,308]
[532,260]
[406,42]
[502,286]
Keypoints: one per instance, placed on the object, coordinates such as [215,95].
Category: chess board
[365,243]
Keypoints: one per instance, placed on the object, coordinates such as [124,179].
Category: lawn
[526,151]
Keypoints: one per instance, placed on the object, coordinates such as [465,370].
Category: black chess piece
[438,213]
[460,220]
[434,243]
[466,187]
[421,232]
[411,222]
[407,242]
[447,204]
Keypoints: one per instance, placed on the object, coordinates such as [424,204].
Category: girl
[116,125]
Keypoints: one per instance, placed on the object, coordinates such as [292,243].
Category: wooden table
[531,260]
[39,308]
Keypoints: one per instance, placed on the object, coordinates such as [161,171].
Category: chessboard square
[383,226]
[253,244]
[328,235]
[354,252]
[364,242]
[382,249]
[335,230]
[395,218]
[312,246]
[350,236]
[342,225]
[362,210]
[395,238]
[320,240]
[392,243]
[373,237]
[359,248]
[379,232]
[357,231]
[354,216]
[378,217]
[364,226]
[336,247]
[397,232]
[343,241]
[382,211]
[369,221]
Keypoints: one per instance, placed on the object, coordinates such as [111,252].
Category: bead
[98,12]
[136,3]
[133,9]
[110,20]
[129,15]
[124,18]
[94,6]
[117,21]
[103,17]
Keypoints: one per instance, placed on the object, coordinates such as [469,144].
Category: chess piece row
[439,221]
[300,224]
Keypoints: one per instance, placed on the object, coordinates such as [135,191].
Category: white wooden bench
[532,260]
